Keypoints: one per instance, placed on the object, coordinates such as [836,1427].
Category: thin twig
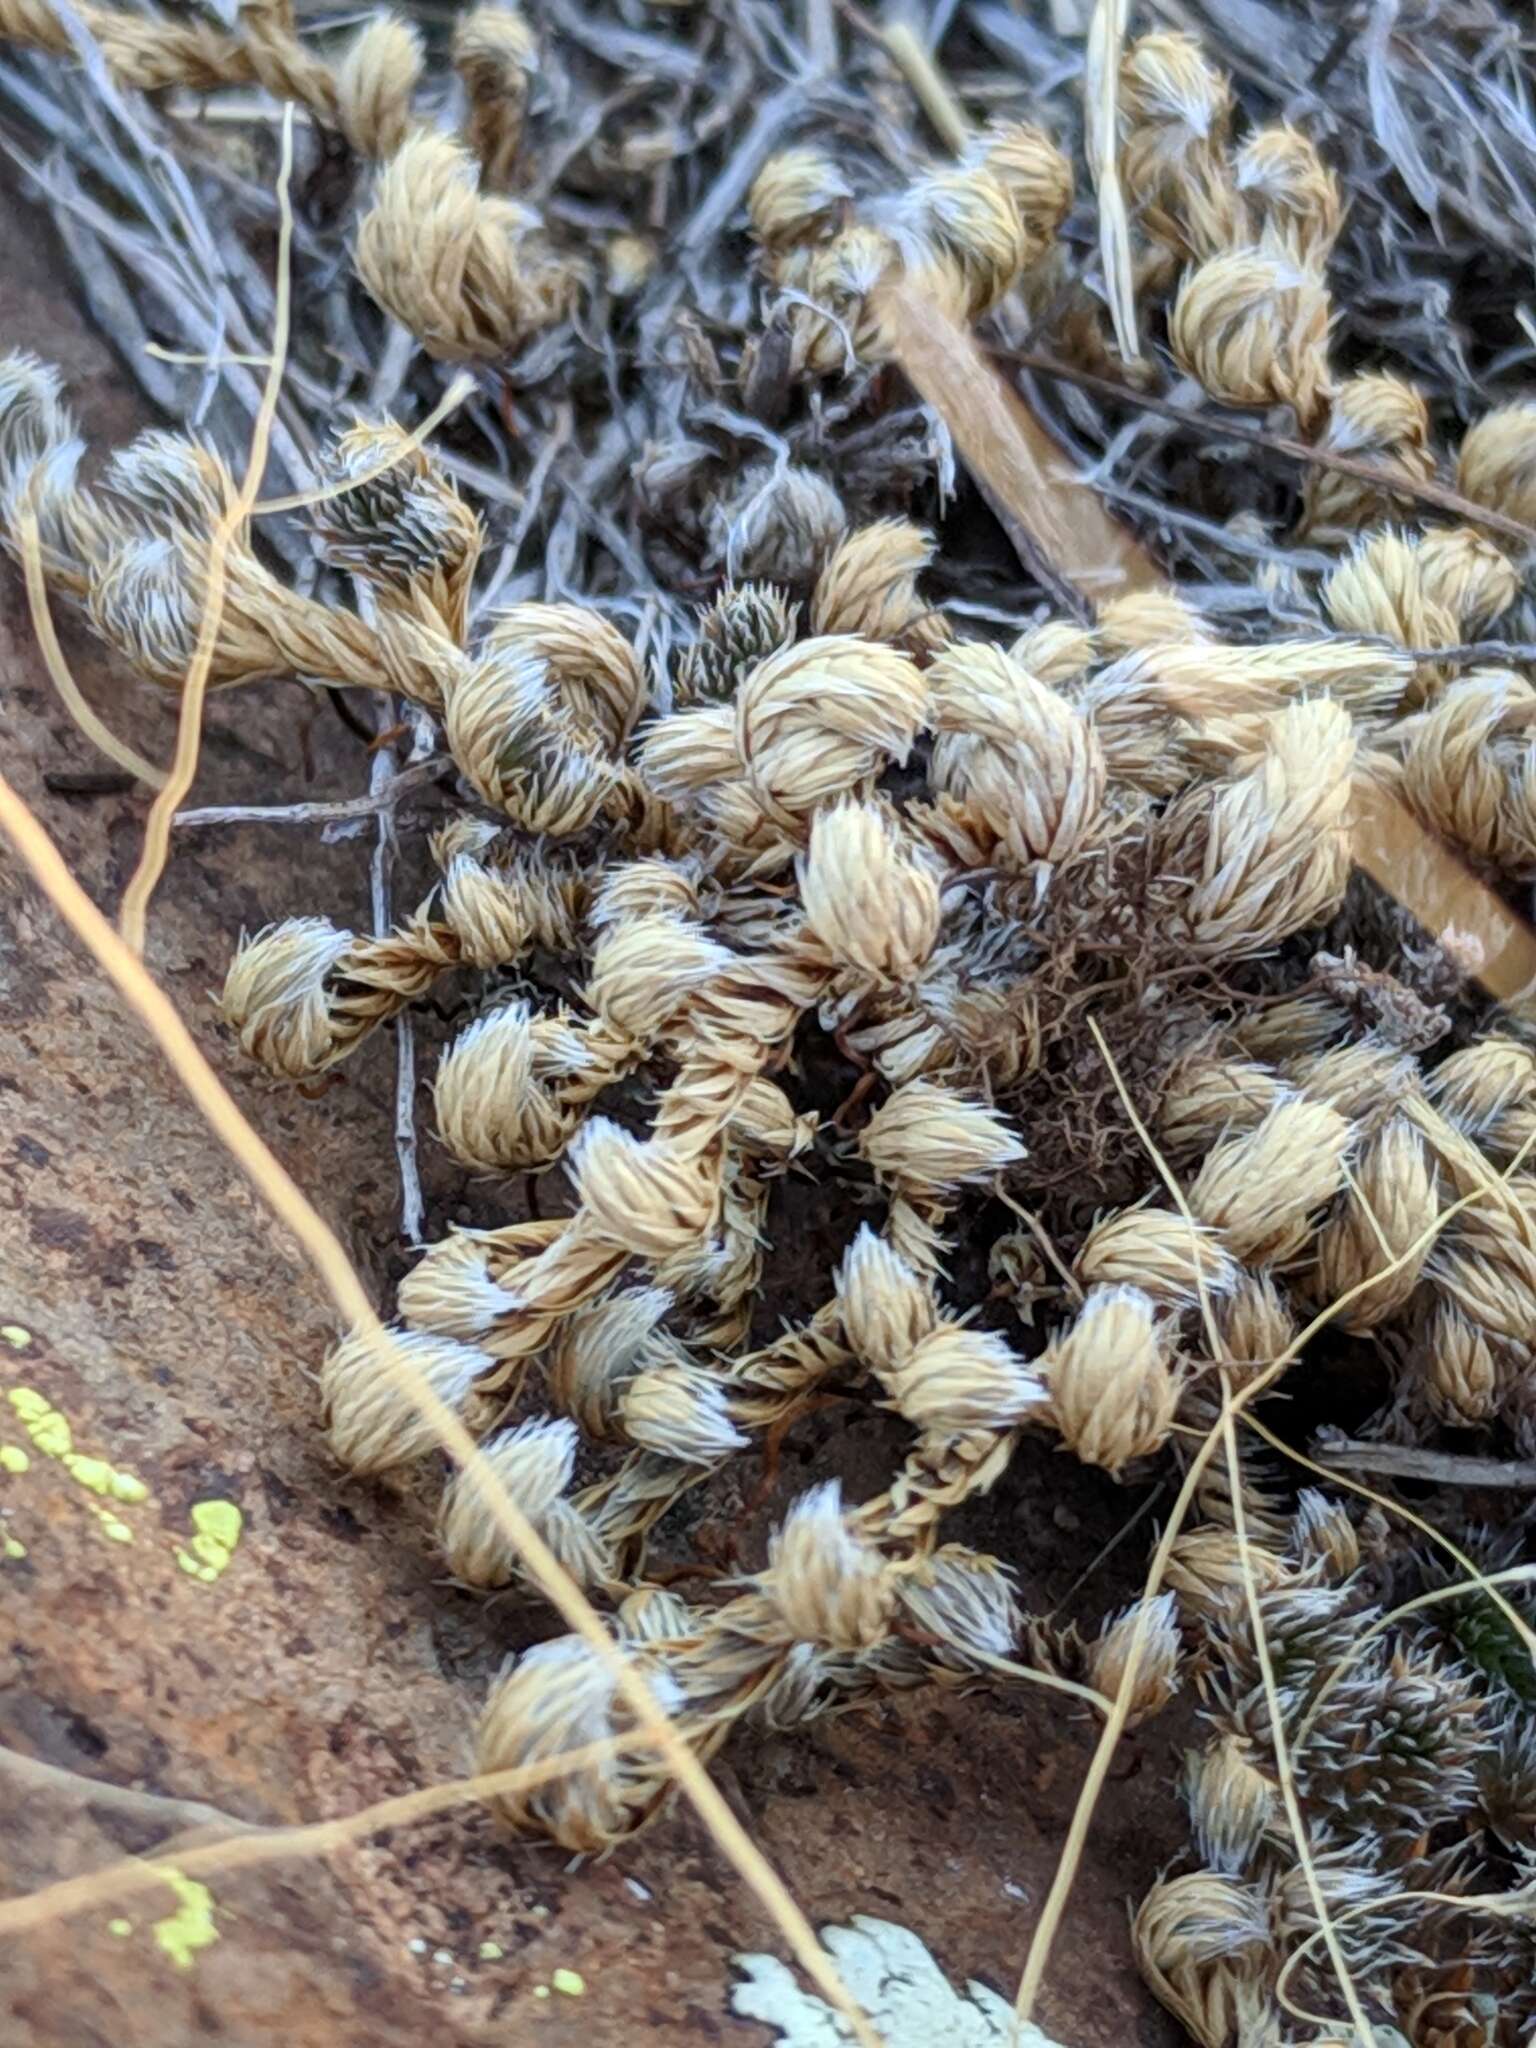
[386,844]
[1407,1461]
[246,1845]
[82,1791]
[820,37]
[383,797]
[1441,496]
[383,778]
[1473,650]
[412,1207]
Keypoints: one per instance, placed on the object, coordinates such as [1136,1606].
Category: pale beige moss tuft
[956,1379]
[1255,1322]
[509,731]
[868,587]
[496,54]
[765,1122]
[796,196]
[1232,1803]
[1380,417]
[1112,1388]
[495,1108]
[968,219]
[1469,574]
[376,77]
[1251,326]
[1156,1681]
[402,526]
[777,525]
[1175,108]
[966,1600]
[598,1349]
[1208,1097]
[1147,618]
[1021,762]
[533,1463]
[303,995]
[276,995]
[1392,1203]
[1496,466]
[1292,196]
[680,1410]
[467,273]
[645,969]
[450,1290]
[823,1582]
[1484,1264]
[926,1139]
[643,888]
[1056,653]
[1211,1572]
[1366,1081]
[1175,1262]
[885,1307]
[146,539]
[1466,767]
[1475,1086]
[690,750]
[597,674]
[1167,82]
[488,907]
[1268,852]
[1380,589]
[1262,1190]
[839,324]
[1203,1944]
[870,896]
[371,1419]
[1458,1369]
[1032,170]
[819,720]
[640,1194]
[558,1697]
[1324,1538]
[149,52]
[1295,1024]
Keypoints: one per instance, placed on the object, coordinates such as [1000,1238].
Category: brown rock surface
[172,1324]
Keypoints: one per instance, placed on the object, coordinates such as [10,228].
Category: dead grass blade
[1058,525]
[189,732]
[29,545]
[246,1847]
[1101,138]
